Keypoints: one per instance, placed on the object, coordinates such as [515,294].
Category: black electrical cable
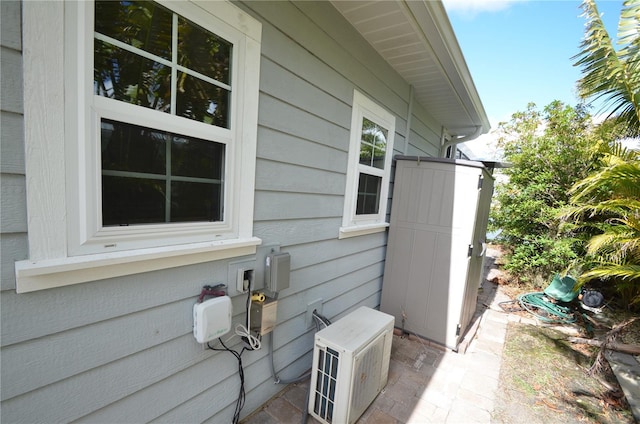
[248,304]
[238,356]
[241,394]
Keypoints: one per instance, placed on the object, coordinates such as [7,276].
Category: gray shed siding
[122,350]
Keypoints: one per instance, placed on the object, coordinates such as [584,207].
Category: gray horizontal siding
[97,352]
[147,329]
[57,310]
[13,201]
[81,394]
[425,134]
[308,154]
[276,176]
[14,248]
[278,205]
[10,24]
[285,118]
[206,388]
[328,37]
[11,83]
[12,139]
[280,83]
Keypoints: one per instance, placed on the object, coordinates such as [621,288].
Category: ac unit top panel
[355,330]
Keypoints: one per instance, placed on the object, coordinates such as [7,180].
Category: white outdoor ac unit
[350,365]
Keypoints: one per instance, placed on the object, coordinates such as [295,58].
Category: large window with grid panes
[166,100]
[160,125]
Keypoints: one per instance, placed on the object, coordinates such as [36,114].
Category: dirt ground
[544,378]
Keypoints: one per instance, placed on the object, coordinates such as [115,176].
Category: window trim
[57,198]
[353,224]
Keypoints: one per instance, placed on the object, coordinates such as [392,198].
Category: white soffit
[416,39]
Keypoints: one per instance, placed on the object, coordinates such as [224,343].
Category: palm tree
[609,200]
[609,74]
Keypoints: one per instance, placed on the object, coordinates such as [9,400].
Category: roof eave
[454,58]
[442,84]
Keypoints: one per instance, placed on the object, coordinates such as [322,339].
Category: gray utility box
[278,270]
[436,246]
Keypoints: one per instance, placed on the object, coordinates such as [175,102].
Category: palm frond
[616,248]
[608,74]
[597,56]
[629,42]
[620,208]
[618,152]
[623,272]
[623,179]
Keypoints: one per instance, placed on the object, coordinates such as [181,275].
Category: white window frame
[353,224]
[67,243]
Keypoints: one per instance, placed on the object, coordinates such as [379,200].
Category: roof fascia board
[430,18]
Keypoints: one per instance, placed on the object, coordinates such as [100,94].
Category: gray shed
[436,246]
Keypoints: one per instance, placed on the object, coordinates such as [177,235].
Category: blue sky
[520,51]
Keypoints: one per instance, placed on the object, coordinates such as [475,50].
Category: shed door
[476,263]
[432,224]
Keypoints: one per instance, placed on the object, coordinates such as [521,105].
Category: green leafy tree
[548,153]
[610,74]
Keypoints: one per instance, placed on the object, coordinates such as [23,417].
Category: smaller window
[369,168]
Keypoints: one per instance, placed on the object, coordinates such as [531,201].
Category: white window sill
[361,230]
[50,273]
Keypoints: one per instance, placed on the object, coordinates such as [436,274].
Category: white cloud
[631,143]
[485,147]
[470,8]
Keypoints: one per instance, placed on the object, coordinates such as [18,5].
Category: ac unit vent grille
[367,370]
[325,390]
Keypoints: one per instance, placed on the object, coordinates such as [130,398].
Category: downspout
[409,118]
[443,139]
[455,141]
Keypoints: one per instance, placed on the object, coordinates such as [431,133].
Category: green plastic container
[562,289]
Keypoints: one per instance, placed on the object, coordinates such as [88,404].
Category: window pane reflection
[373,144]
[124,76]
[142,24]
[203,51]
[201,101]
[133,62]
[368,194]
